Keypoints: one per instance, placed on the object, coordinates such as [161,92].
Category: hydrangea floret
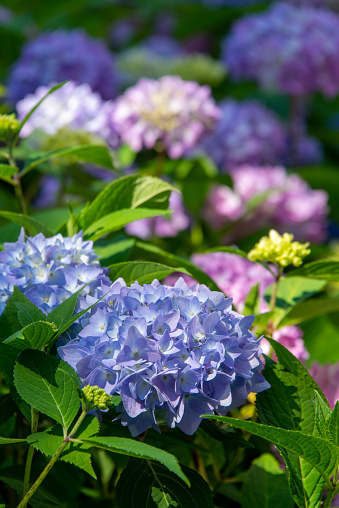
[171,353]
[9,126]
[96,398]
[279,249]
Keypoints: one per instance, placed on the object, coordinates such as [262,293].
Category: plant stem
[16,180]
[30,453]
[330,497]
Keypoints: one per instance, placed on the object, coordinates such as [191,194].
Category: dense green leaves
[266,485]
[141,271]
[139,450]
[48,384]
[141,478]
[37,334]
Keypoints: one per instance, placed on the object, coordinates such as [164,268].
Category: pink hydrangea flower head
[169,111]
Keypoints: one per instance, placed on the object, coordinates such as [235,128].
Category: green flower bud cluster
[9,126]
[96,398]
[279,249]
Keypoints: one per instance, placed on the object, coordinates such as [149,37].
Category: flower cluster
[276,48]
[280,250]
[96,398]
[236,275]
[284,201]
[75,107]
[9,126]
[47,270]
[162,226]
[249,133]
[169,113]
[63,55]
[178,349]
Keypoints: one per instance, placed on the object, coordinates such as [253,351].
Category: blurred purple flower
[277,48]
[63,55]
[327,377]
[170,113]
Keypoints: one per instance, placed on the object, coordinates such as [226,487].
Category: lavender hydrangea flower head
[168,112]
[162,226]
[288,204]
[179,349]
[48,270]
[63,55]
[75,107]
[276,48]
[247,133]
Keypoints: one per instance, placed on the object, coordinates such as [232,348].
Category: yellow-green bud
[9,126]
[96,398]
[279,249]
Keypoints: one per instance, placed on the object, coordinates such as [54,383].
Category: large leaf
[48,384]
[95,154]
[324,350]
[10,321]
[118,219]
[141,271]
[77,454]
[145,485]
[266,485]
[147,251]
[309,309]
[326,269]
[139,450]
[37,334]
[31,225]
[114,251]
[6,173]
[128,192]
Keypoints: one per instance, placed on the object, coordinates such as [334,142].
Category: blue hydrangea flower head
[182,350]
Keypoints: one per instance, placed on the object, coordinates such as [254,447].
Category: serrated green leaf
[310,309]
[6,173]
[147,251]
[333,424]
[162,499]
[326,269]
[134,488]
[120,218]
[37,334]
[266,485]
[77,454]
[322,416]
[31,225]
[9,440]
[48,384]
[63,313]
[28,314]
[139,450]
[129,192]
[95,154]
[141,271]
[9,320]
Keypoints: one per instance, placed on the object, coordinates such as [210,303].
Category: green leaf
[326,270]
[28,314]
[62,315]
[48,384]
[95,154]
[291,291]
[324,350]
[6,173]
[129,192]
[142,271]
[322,416]
[140,450]
[145,485]
[77,454]
[252,301]
[118,219]
[29,114]
[147,251]
[333,424]
[230,437]
[310,309]
[7,440]
[266,485]
[318,452]
[9,320]
[114,251]
[230,250]
[31,225]
[37,334]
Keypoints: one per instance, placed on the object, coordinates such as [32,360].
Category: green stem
[16,180]
[78,422]
[34,428]
[330,497]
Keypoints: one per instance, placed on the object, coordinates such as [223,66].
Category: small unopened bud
[96,398]
[279,249]
[9,126]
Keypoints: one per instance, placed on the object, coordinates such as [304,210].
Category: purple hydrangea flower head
[276,48]
[169,112]
[162,226]
[327,377]
[48,270]
[63,55]
[75,107]
[288,204]
[247,133]
[179,349]
[235,276]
